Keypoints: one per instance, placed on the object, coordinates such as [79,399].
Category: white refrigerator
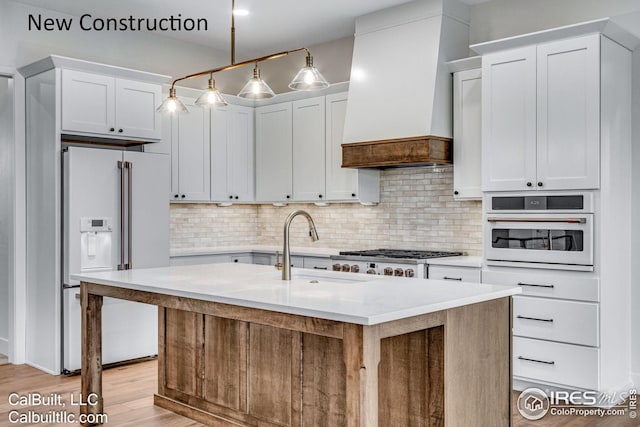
[115,215]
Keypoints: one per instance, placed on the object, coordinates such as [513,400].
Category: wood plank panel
[91,344]
[353,361]
[323,382]
[224,345]
[483,373]
[412,151]
[129,402]
[411,366]
[293,322]
[270,369]
[183,351]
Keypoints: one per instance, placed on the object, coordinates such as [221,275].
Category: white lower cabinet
[556,325]
[572,322]
[454,274]
[555,363]
[316,263]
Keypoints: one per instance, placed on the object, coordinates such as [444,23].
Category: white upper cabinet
[467,134]
[569,114]
[344,184]
[509,120]
[541,116]
[274,136]
[232,154]
[190,159]
[309,149]
[110,107]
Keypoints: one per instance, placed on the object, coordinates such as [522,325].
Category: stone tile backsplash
[416,211]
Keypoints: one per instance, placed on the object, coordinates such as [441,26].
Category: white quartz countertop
[457,261]
[364,299]
[301,251]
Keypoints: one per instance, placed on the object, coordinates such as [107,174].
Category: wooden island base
[225,365]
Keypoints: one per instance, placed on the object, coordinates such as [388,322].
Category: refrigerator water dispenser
[95,244]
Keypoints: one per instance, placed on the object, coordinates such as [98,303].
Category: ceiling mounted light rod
[308,78]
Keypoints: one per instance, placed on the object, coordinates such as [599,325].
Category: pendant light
[256,88]
[309,78]
[211,97]
[172,104]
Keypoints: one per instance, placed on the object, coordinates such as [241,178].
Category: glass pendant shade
[211,97]
[172,104]
[309,78]
[256,88]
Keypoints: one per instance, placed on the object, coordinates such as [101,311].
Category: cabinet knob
[529,184]
[183,196]
[353,194]
[120,131]
[112,129]
[236,197]
[455,193]
[175,196]
[539,183]
[320,196]
[230,197]
[288,196]
[235,260]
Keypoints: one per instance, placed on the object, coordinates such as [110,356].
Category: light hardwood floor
[128,394]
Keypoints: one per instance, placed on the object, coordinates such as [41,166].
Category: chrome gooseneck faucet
[286,253]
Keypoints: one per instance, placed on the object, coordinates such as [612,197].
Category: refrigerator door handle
[122,265]
[129,166]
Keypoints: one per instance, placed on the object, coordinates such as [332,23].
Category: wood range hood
[399,110]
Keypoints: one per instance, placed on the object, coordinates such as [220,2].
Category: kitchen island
[240,347]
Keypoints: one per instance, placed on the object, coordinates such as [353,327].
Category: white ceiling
[271,24]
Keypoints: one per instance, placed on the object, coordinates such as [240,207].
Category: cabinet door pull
[459,279]
[537,361]
[533,285]
[315,267]
[534,318]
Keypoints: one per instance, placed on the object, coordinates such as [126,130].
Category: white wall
[635,250]
[6,223]
[141,51]
[505,18]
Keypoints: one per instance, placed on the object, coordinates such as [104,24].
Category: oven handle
[563,220]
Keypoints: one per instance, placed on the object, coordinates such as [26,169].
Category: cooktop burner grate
[401,253]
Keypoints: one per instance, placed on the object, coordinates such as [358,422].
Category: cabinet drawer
[317,263]
[456,274]
[546,283]
[556,320]
[564,364]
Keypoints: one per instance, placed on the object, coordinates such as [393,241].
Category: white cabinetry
[299,154]
[232,153]
[541,115]
[555,319]
[467,134]
[343,184]
[454,274]
[274,136]
[190,158]
[110,107]
[309,149]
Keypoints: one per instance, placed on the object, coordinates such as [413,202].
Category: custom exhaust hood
[399,110]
